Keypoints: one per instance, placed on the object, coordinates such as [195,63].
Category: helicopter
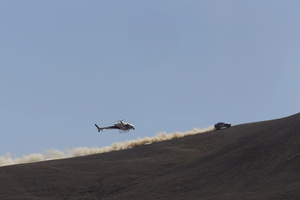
[122,126]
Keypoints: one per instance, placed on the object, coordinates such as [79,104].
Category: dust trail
[53,154]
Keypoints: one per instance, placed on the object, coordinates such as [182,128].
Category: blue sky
[161,65]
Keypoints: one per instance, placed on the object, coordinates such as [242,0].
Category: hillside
[250,161]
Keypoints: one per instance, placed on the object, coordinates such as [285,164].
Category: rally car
[222,125]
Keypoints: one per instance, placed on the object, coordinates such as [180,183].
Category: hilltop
[258,160]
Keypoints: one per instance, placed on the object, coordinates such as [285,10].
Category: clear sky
[163,65]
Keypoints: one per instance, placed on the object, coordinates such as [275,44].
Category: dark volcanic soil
[250,161]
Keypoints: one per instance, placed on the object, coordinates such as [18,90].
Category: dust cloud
[53,154]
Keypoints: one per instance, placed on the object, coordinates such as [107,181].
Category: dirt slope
[250,161]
